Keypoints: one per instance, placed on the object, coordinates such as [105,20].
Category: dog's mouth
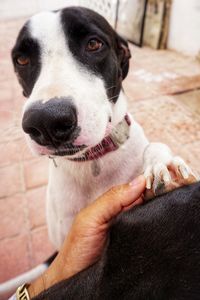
[69,150]
[110,143]
[107,145]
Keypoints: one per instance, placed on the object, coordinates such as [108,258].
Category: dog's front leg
[164,171]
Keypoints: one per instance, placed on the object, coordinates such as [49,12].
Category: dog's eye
[94,45]
[23,60]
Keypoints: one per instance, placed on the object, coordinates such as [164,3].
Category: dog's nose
[51,123]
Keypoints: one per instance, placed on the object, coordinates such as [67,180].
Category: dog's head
[71,64]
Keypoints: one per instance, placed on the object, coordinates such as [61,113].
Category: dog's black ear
[124,55]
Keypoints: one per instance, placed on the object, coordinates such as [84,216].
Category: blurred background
[172,24]
[163,89]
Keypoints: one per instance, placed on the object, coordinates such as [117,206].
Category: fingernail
[136,181]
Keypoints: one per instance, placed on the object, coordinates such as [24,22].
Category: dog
[71,64]
[153,253]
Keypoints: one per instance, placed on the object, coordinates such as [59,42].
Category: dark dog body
[153,253]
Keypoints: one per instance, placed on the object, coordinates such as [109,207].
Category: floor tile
[36,200]
[35,172]
[13,212]
[11,180]
[41,246]
[14,255]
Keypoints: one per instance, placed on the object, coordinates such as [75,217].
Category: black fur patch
[27,46]
[80,25]
[111,61]
[153,253]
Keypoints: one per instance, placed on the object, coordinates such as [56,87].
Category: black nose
[51,123]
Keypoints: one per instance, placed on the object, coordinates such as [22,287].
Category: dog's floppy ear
[124,55]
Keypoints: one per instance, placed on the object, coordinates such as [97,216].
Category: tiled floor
[160,86]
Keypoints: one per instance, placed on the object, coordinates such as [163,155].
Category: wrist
[36,287]
[59,270]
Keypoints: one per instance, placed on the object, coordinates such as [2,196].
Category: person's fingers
[136,202]
[114,201]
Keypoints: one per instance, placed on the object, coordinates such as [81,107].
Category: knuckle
[116,190]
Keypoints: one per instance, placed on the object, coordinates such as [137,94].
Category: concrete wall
[10,9]
[184,34]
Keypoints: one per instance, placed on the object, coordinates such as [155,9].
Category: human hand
[85,242]
[88,234]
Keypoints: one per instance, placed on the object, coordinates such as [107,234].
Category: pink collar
[112,142]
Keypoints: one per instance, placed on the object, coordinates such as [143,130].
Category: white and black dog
[71,65]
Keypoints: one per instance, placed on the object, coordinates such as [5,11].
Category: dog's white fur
[72,185]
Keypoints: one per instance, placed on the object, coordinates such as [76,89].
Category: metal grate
[131,20]
[107,8]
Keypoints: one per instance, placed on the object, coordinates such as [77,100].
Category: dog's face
[71,64]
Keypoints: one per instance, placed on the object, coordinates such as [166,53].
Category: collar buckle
[120,133]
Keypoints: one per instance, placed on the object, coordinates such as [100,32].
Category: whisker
[111,87]
[113,97]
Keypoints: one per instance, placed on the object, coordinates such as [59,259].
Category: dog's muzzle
[53,126]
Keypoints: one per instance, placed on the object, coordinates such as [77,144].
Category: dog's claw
[180,168]
[161,177]
[184,172]
[167,177]
[149,178]
[149,182]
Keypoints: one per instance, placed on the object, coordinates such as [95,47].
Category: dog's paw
[164,177]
